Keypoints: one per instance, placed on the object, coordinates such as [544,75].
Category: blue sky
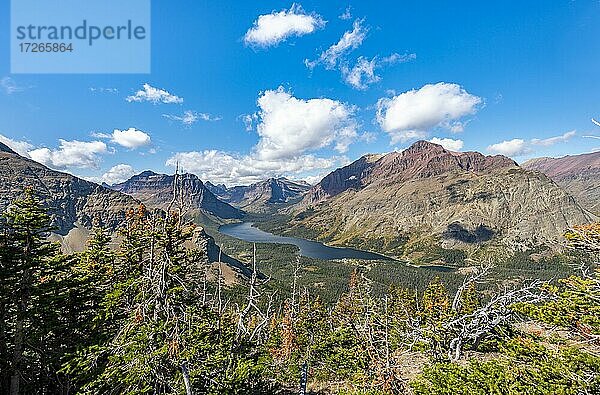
[518,78]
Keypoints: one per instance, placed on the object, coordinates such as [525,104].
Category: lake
[312,249]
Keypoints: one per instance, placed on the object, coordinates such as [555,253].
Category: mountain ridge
[156,190]
[262,196]
[458,198]
[577,174]
[75,205]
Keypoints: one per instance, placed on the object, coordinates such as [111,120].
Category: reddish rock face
[347,177]
[456,197]
[424,159]
[571,165]
[421,160]
[577,174]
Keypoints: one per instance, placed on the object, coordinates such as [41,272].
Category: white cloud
[100,135]
[414,113]
[313,180]
[117,174]
[347,14]
[363,73]
[273,28]
[20,147]
[553,140]
[248,120]
[349,41]
[154,95]
[520,147]
[367,137]
[104,90]
[514,147]
[587,137]
[449,144]
[10,86]
[230,169]
[130,138]
[289,129]
[289,126]
[71,154]
[189,117]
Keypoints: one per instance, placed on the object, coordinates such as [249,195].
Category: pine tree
[33,272]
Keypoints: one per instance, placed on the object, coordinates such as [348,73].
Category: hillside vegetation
[145,319]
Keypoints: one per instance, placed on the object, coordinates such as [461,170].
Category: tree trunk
[15,379]
[186,379]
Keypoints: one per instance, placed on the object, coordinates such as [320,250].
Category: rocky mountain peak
[156,190]
[424,146]
[422,159]
[260,196]
[147,173]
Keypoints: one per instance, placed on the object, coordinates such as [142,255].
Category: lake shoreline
[313,249]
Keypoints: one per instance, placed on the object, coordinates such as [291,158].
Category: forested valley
[144,312]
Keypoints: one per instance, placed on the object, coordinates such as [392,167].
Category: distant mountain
[262,196]
[75,205]
[577,174]
[426,191]
[217,190]
[156,190]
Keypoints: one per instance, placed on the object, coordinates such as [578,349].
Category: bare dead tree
[490,317]
[478,276]
[219,285]
[252,310]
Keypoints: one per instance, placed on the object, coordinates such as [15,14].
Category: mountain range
[262,196]
[428,194]
[577,174]
[425,194]
[75,205]
[156,190]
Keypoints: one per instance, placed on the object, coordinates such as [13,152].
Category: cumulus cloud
[130,138]
[313,180]
[349,41]
[289,126]
[289,129]
[20,147]
[520,147]
[514,147]
[230,169]
[117,174]
[362,74]
[71,154]
[271,29]
[449,144]
[154,96]
[189,117]
[414,113]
